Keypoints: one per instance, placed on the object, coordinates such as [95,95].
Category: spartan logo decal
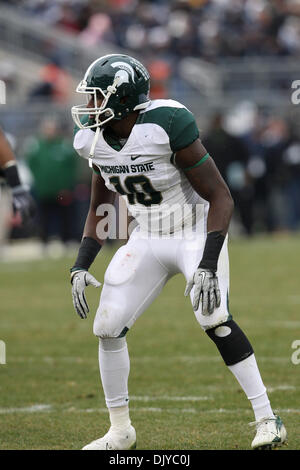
[122,76]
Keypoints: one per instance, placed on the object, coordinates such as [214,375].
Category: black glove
[22,200]
[23,203]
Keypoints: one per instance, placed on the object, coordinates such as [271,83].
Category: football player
[150,153]
[22,200]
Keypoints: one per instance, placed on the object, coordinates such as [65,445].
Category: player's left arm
[205,178]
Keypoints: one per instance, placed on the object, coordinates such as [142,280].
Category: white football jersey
[144,171]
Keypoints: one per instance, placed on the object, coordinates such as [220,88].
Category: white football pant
[138,272]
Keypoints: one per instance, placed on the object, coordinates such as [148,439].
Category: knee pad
[125,263]
[108,322]
[231,342]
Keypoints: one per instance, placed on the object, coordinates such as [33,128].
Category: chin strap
[92,150]
[111,89]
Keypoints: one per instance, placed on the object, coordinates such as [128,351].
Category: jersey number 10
[139,190]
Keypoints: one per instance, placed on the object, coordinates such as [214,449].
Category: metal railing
[252,77]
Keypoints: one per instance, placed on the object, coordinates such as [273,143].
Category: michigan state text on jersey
[149,152]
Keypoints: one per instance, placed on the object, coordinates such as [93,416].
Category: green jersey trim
[97,171]
[112,140]
[203,159]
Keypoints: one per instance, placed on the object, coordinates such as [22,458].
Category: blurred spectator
[212,29]
[68,19]
[291,159]
[99,29]
[160,73]
[289,35]
[53,164]
[55,84]
[231,157]
[283,175]
[257,170]
[8,73]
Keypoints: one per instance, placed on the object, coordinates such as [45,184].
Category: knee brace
[231,342]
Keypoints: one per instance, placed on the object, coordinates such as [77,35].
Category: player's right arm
[22,200]
[99,195]
[6,153]
[90,245]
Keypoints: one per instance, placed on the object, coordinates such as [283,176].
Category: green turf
[52,357]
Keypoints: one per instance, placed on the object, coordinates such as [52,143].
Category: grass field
[182,395]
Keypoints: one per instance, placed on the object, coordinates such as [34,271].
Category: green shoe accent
[133,446]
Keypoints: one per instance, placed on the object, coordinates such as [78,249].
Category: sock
[114,371]
[248,376]
[119,417]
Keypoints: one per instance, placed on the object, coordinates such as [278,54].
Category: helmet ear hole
[124,99]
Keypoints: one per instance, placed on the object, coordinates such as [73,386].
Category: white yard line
[280,388]
[274,323]
[168,398]
[42,408]
[149,409]
[139,359]
[27,409]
